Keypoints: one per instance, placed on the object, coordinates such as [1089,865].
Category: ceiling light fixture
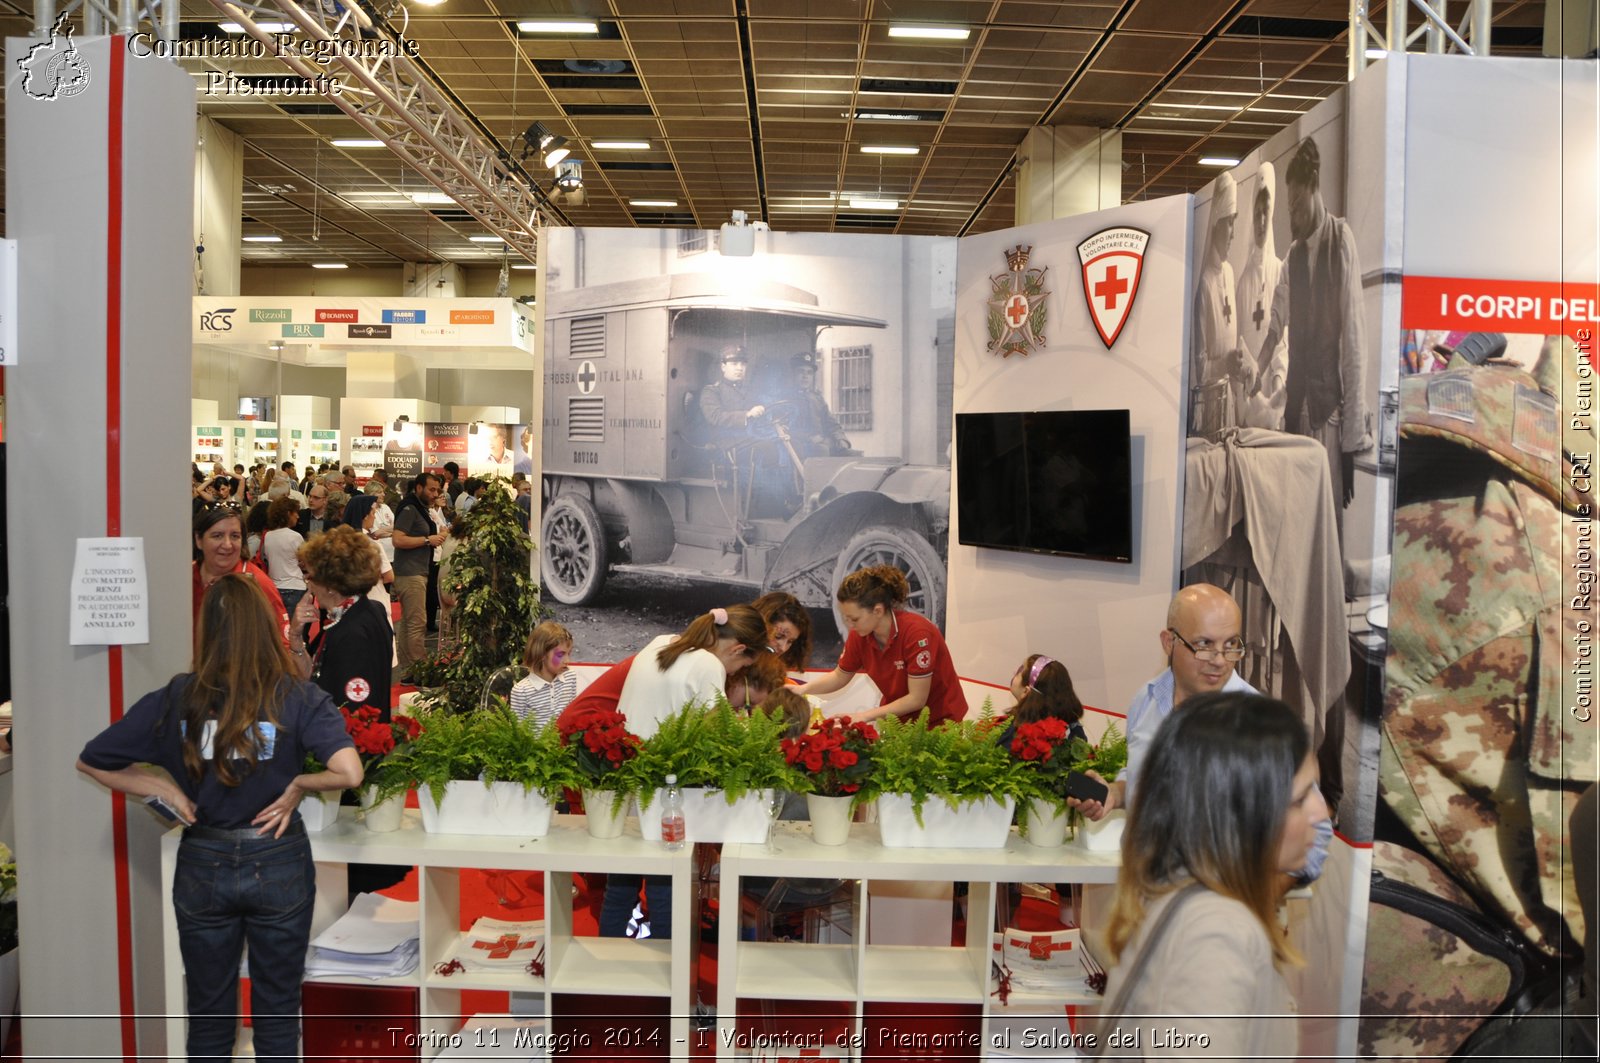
[556,26]
[536,138]
[661,204]
[931,33]
[864,203]
[427,3]
[267,238]
[356,142]
[329,265]
[431,198]
[1218,160]
[884,116]
[269,27]
[888,149]
[522,265]
[620,145]
[487,239]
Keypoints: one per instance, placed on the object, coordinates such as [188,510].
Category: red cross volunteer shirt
[915,649]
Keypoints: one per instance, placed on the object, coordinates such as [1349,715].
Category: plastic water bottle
[672,832]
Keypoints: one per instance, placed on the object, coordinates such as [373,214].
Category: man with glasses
[1202,641]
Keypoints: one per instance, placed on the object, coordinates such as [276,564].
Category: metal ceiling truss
[1469,37]
[388,94]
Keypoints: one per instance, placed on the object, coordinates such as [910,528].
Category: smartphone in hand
[164,810]
[1086,787]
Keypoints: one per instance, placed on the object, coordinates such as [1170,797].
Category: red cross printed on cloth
[1110,287]
[505,946]
[1016,311]
[1040,947]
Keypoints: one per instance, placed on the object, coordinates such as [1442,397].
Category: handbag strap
[1113,1013]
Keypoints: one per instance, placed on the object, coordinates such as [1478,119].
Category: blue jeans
[227,893]
[622,893]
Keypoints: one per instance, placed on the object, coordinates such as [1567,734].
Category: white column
[218,201]
[1068,170]
[85,942]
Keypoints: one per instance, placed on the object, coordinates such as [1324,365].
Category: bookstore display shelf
[615,967]
[877,980]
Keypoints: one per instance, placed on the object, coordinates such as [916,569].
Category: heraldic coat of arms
[1016,308]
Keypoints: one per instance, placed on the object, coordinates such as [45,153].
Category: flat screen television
[1047,482]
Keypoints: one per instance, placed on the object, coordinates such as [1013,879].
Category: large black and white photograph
[718,426]
[1285,490]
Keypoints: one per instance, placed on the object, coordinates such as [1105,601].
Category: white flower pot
[982,823]
[830,819]
[1045,827]
[707,816]
[319,811]
[1104,835]
[471,807]
[381,816]
[602,823]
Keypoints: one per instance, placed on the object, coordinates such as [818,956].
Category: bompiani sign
[286,46]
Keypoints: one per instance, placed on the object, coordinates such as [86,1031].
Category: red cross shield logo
[1113,264]
[357,690]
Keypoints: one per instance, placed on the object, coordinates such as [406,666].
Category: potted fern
[729,764]
[950,786]
[487,772]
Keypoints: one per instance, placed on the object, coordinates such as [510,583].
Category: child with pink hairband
[1043,689]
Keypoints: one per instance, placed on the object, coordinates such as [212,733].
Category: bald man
[1202,642]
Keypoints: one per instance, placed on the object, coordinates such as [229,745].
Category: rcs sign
[219,320]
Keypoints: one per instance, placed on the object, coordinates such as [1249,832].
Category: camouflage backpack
[1482,756]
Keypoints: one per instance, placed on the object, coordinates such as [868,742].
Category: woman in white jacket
[667,674]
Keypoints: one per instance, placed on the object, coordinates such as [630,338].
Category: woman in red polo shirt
[218,550]
[902,652]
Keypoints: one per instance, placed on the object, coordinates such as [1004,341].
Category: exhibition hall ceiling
[765,106]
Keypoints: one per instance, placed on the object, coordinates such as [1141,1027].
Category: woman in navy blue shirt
[233,736]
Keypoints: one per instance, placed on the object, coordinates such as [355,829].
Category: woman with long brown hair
[788,628]
[902,652]
[233,736]
[1228,804]
[666,675]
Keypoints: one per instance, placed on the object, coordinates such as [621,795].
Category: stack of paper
[1048,961]
[376,938]
[498,1037]
[500,945]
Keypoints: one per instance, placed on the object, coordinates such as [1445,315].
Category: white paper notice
[110,595]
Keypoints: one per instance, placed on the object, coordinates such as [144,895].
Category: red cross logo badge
[1017,305]
[1113,264]
[357,689]
[1017,311]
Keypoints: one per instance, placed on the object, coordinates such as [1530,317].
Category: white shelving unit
[861,974]
[617,967]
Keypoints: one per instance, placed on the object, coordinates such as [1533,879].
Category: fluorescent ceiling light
[267,239]
[884,116]
[522,265]
[425,198]
[356,142]
[554,26]
[487,239]
[1376,53]
[427,3]
[329,265]
[620,145]
[1218,160]
[652,203]
[269,27]
[931,33]
[888,149]
[861,203]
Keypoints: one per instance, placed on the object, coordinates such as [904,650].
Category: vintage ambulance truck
[635,479]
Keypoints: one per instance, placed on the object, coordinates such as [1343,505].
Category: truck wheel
[905,550]
[572,559]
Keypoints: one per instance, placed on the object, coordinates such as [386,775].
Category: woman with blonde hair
[1228,803]
[550,684]
[232,737]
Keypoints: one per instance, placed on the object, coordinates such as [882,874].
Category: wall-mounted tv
[1046,482]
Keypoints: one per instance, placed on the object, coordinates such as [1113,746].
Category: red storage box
[355,1024]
